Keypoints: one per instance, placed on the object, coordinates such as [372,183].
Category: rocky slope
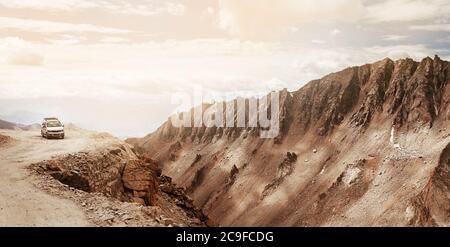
[364,146]
[115,175]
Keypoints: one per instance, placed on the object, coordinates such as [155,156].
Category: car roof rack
[50,118]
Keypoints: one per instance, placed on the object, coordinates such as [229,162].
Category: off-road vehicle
[52,128]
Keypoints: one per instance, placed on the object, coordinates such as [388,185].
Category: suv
[52,127]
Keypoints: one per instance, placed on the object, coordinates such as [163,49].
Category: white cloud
[335,32]
[394,37]
[41,26]
[113,40]
[444,40]
[276,84]
[142,7]
[318,41]
[48,4]
[174,8]
[256,17]
[417,52]
[293,29]
[17,51]
[210,10]
[407,10]
[432,27]
[67,39]
[26,58]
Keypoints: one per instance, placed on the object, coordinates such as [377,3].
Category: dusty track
[21,203]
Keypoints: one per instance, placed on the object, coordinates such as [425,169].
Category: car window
[53,124]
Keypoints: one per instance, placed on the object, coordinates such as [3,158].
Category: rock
[167,188]
[314,150]
[139,194]
[168,222]
[141,177]
[197,158]
[291,157]
[53,166]
[115,151]
[126,217]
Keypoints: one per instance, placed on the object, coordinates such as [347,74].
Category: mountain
[365,146]
[12,126]
[7,125]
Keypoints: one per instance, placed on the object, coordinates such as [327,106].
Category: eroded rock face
[116,172]
[284,169]
[119,173]
[180,198]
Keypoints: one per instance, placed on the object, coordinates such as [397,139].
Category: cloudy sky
[112,65]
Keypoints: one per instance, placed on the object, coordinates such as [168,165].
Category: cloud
[318,41]
[19,52]
[432,27]
[444,39]
[335,32]
[142,7]
[113,40]
[174,8]
[263,17]
[394,37]
[48,4]
[209,11]
[407,10]
[416,52]
[67,39]
[26,58]
[41,26]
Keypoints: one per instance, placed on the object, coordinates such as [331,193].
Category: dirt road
[21,203]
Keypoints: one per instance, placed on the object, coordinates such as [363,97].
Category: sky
[113,65]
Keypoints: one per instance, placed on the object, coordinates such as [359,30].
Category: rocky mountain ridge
[369,145]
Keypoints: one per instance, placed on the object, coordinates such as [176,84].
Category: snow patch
[392,135]
[350,175]
[392,139]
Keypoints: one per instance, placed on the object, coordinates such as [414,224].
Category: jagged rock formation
[117,172]
[367,142]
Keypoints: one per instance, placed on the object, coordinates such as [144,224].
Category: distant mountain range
[12,126]
[8,125]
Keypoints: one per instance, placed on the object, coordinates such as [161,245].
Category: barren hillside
[366,146]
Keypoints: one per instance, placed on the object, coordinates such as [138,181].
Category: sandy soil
[21,203]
